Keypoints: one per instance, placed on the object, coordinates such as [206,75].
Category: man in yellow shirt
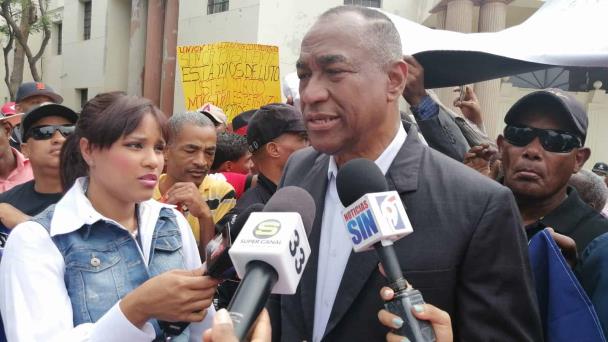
[191,145]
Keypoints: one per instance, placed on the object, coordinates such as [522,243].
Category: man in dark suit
[467,254]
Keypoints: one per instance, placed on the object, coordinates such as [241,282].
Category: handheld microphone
[375,218]
[270,254]
[218,261]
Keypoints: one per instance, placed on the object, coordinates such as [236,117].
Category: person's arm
[592,271]
[436,126]
[11,216]
[470,107]
[496,299]
[186,193]
[34,301]
[35,304]
[479,158]
[223,329]
[439,319]
[192,260]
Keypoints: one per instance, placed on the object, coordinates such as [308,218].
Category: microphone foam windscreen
[293,199]
[359,177]
[241,219]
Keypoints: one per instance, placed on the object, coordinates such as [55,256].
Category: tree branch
[6,50]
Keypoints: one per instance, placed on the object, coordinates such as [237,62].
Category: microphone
[219,265]
[375,218]
[270,254]
[218,261]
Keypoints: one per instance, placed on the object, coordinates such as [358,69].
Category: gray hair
[381,36]
[591,188]
[177,121]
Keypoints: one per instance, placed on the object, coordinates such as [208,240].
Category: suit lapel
[316,183]
[402,176]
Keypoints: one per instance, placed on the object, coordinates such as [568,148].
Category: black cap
[45,109]
[242,120]
[574,110]
[30,89]
[270,121]
[600,168]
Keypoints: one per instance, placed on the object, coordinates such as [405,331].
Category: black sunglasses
[552,140]
[46,132]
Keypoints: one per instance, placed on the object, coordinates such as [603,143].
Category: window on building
[58,34]
[366,3]
[569,79]
[87,19]
[217,6]
[84,96]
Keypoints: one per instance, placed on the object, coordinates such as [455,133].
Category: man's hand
[414,86]
[469,106]
[186,193]
[11,216]
[567,246]
[439,319]
[479,158]
[174,296]
[223,329]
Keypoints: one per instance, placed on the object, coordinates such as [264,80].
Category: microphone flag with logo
[270,254]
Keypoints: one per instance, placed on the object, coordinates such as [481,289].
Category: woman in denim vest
[106,262]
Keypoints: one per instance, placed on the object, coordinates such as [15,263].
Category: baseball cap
[600,168]
[43,110]
[241,121]
[8,113]
[30,89]
[573,109]
[215,113]
[270,121]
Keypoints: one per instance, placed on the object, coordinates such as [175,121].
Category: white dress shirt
[335,244]
[34,301]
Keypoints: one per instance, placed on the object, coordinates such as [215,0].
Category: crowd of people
[106,213]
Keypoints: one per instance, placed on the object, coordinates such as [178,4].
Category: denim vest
[103,263]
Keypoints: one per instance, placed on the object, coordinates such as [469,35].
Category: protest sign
[233,76]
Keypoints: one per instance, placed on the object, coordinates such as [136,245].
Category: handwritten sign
[233,76]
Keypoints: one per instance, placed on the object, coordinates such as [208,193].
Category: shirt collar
[20,158]
[75,210]
[266,183]
[565,218]
[385,159]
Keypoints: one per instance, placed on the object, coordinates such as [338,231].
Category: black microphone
[218,261]
[375,217]
[270,254]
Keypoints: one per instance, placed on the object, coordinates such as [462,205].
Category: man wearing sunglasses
[542,146]
[45,128]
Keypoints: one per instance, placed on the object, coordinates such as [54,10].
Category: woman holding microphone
[106,262]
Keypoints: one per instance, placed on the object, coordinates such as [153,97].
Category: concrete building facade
[131,45]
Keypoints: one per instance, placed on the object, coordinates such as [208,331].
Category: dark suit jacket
[443,134]
[467,254]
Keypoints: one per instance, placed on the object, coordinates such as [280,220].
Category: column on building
[154,50]
[492,18]
[458,16]
[137,46]
[167,90]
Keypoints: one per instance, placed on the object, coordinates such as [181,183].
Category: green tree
[23,18]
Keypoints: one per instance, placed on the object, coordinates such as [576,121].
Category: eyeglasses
[552,140]
[46,132]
